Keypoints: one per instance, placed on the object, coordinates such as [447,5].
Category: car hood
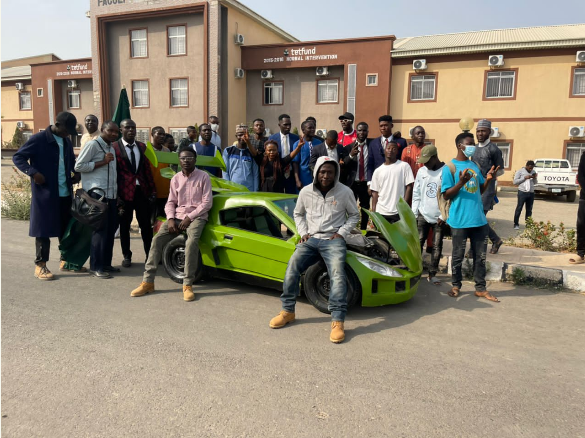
[402,235]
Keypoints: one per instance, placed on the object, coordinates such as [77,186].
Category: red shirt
[344,139]
[410,156]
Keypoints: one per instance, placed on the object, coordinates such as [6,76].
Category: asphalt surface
[81,358]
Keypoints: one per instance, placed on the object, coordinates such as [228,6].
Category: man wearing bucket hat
[47,157]
[425,206]
[486,156]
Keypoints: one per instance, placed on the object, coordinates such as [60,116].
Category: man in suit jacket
[330,148]
[357,165]
[136,190]
[285,140]
[377,146]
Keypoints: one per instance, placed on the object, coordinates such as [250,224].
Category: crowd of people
[331,175]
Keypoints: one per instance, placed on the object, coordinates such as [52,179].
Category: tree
[295,130]
[17,139]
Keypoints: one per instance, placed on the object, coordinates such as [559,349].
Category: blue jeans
[307,254]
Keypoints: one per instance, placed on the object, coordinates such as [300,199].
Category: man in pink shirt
[189,201]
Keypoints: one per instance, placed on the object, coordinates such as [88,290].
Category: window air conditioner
[266,74]
[419,64]
[496,60]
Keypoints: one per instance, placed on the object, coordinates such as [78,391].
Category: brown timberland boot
[188,294]
[42,272]
[337,332]
[282,319]
[143,289]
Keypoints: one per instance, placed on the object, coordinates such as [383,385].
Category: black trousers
[158,210]
[141,206]
[391,218]
[581,228]
[360,192]
[523,198]
[478,238]
[102,241]
[493,236]
[424,228]
[43,244]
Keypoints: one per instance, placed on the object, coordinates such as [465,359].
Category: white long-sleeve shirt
[424,194]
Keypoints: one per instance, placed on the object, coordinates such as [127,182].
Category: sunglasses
[186,158]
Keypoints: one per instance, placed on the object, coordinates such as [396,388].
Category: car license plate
[556,190]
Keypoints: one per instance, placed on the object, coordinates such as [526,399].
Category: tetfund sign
[301,54]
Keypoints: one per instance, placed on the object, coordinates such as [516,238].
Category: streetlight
[466,124]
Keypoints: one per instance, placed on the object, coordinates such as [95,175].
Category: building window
[25,102]
[178,134]
[179,92]
[138,43]
[574,151]
[500,84]
[143,134]
[273,93]
[177,40]
[140,94]
[39,92]
[372,80]
[74,99]
[506,148]
[578,81]
[26,135]
[327,91]
[423,87]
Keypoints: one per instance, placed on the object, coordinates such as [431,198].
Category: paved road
[82,358]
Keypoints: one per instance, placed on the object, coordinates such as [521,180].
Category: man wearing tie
[378,145]
[358,169]
[136,190]
[301,163]
[285,140]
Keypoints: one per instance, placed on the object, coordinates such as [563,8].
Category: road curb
[530,274]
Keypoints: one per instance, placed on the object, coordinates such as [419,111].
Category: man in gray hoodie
[325,214]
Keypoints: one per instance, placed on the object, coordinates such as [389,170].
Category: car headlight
[380,268]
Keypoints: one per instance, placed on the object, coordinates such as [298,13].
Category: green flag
[123,109]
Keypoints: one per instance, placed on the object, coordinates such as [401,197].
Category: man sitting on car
[325,213]
[189,201]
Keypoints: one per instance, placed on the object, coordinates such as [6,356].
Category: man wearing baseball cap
[47,157]
[425,206]
[347,135]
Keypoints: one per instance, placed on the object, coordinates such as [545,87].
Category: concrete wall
[536,121]
[158,68]
[236,88]
[11,112]
[300,98]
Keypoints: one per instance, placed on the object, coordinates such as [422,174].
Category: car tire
[174,260]
[571,196]
[316,286]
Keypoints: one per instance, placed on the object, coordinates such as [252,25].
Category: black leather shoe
[100,274]
[126,263]
[111,269]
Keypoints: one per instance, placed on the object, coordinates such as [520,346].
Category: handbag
[88,210]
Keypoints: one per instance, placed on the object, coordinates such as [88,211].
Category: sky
[34,27]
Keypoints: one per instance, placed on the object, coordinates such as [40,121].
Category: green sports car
[250,238]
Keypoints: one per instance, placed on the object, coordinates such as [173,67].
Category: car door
[251,240]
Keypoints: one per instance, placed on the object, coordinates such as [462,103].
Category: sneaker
[188,294]
[337,332]
[516,227]
[143,289]
[111,269]
[42,272]
[127,262]
[282,319]
[100,274]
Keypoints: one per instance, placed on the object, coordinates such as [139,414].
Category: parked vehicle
[250,237]
[556,177]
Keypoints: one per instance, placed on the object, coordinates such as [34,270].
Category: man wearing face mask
[214,125]
[487,155]
[463,183]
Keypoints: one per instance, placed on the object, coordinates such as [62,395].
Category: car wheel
[174,260]
[316,286]
[571,196]
[381,251]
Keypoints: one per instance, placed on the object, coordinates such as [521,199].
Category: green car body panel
[250,253]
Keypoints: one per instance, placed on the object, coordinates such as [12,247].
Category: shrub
[17,139]
[16,197]
[546,236]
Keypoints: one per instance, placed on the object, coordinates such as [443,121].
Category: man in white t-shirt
[426,207]
[391,181]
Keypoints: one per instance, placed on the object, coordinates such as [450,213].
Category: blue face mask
[469,151]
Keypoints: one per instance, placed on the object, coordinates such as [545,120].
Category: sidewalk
[541,266]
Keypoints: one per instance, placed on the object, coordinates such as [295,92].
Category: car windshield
[287,205]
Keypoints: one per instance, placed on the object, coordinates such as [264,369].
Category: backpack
[445,204]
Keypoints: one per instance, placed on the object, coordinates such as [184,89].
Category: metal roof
[524,38]
[16,73]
